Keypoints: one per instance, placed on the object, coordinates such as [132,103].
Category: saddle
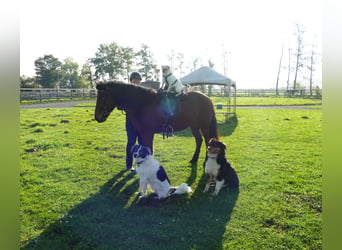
[170,105]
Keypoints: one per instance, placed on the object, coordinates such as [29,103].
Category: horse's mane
[131,93]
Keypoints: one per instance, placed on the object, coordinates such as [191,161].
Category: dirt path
[71,104]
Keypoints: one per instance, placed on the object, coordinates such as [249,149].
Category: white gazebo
[207,76]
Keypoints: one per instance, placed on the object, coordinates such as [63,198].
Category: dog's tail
[181,189]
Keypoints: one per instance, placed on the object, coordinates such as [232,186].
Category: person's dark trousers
[132,136]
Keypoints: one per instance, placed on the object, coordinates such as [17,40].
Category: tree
[299,53]
[211,64]
[69,76]
[86,76]
[127,61]
[313,58]
[288,72]
[180,67]
[177,63]
[194,64]
[281,58]
[108,61]
[47,71]
[27,82]
[171,58]
[146,63]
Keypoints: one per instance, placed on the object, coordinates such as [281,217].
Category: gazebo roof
[206,75]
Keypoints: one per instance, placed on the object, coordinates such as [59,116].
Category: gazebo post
[206,75]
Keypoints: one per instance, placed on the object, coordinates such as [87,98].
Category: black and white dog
[218,169]
[152,174]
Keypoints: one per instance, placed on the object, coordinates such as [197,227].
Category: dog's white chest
[211,167]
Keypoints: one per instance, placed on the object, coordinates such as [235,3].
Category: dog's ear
[224,146]
[145,151]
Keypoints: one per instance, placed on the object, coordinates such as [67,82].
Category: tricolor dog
[152,174]
[175,86]
[218,169]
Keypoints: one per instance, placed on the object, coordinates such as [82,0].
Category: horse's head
[104,103]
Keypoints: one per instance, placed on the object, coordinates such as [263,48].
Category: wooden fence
[57,93]
[51,93]
[316,93]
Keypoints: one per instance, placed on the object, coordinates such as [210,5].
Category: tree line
[301,62]
[111,61]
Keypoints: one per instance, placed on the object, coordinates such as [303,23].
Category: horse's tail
[213,128]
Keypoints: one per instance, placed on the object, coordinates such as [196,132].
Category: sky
[249,34]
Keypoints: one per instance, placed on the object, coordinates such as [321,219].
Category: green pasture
[75,194]
[240,101]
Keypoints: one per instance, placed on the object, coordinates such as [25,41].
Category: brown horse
[142,107]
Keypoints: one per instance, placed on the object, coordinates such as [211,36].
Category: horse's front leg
[198,138]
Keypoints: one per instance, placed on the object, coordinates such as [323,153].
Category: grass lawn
[75,195]
[258,101]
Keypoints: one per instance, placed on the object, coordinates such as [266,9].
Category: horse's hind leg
[198,138]
[206,135]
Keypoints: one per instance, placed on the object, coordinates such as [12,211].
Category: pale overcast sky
[250,32]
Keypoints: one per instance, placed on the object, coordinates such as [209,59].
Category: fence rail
[281,92]
[50,93]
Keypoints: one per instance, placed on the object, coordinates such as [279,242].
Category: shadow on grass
[225,128]
[114,218]
[228,127]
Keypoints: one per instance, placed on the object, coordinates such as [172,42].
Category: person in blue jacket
[132,134]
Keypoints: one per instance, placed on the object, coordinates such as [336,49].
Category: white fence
[317,93]
[50,93]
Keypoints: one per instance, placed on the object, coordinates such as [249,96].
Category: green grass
[258,101]
[75,195]
[52,100]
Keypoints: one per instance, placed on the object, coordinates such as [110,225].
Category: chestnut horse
[143,107]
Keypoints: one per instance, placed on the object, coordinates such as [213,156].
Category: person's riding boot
[169,131]
[169,128]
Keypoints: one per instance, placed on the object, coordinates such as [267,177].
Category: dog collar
[138,163]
